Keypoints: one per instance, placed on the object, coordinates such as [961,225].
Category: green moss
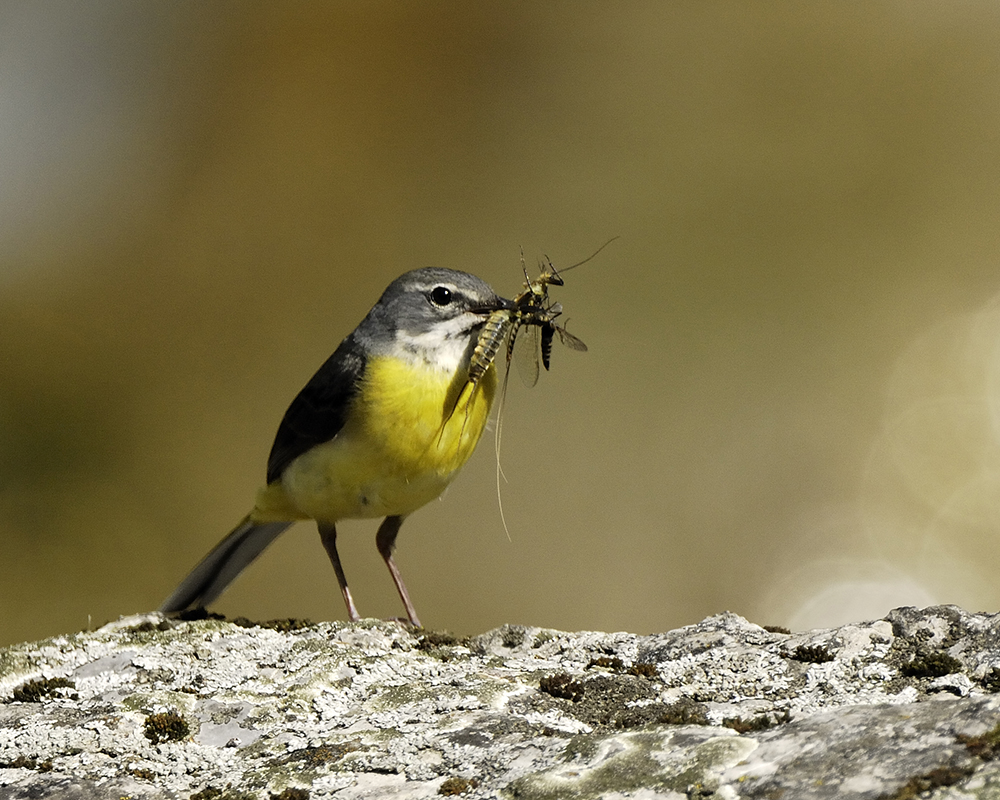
[747,725]
[291,793]
[35,691]
[812,654]
[430,640]
[561,685]
[513,636]
[991,681]
[443,645]
[683,712]
[453,786]
[776,629]
[612,663]
[208,793]
[27,762]
[933,665]
[985,746]
[319,756]
[619,701]
[644,669]
[212,793]
[936,778]
[168,726]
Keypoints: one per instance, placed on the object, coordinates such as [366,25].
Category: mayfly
[532,310]
[491,338]
[536,315]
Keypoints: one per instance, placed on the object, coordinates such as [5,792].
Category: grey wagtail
[379,431]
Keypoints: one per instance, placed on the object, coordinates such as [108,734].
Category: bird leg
[328,535]
[385,541]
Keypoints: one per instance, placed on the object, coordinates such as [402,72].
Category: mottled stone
[154,708]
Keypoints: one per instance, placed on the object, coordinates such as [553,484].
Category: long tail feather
[221,566]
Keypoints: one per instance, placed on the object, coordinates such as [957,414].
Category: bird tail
[221,566]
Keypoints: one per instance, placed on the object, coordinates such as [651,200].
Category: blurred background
[791,402]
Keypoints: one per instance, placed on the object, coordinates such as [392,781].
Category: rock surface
[154,708]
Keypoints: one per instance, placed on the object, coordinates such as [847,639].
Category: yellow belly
[410,430]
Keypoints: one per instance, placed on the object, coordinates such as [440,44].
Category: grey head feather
[419,300]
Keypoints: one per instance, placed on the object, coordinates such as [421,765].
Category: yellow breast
[410,429]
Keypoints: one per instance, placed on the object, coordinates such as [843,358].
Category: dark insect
[532,322]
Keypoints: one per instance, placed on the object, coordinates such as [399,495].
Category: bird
[380,430]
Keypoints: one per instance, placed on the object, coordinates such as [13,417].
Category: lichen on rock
[153,708]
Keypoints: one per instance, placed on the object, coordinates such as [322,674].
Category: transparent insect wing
[526,347]
[571,341]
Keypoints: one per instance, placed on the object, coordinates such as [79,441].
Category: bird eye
[441,296]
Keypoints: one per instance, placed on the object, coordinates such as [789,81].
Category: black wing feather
[319,411]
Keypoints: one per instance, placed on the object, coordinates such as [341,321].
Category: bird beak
[500,304]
